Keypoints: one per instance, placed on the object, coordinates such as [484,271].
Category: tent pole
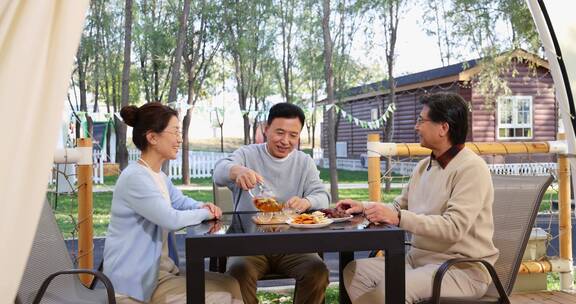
[85,232]
[374,174]
[565,220]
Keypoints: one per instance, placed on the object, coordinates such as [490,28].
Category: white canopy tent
[38,40]
[557,29]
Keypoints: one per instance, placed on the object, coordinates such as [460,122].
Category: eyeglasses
[421,120]
[177,133]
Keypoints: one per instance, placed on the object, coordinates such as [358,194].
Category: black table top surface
[243,223]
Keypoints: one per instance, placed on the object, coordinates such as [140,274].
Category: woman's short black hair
[285,110]
[152,116]
[452,109]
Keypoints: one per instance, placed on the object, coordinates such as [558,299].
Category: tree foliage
[489,29]
[276,49]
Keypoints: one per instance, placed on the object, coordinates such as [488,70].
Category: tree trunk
[392,30]
[222,138]
[107,98]
[313,135]
[173,93]
[286,10]
[329,77]
[122,152]
[185,127]
[178,53]
[246,121]
[96,83]
[117,122]
[186,146]
[156,77]
[145,77]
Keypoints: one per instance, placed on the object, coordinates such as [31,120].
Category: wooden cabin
[529,113]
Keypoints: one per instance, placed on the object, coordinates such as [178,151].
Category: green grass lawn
[355,177]
[67,211]
[344,176]
[332,294]
[206,181]
[67,207]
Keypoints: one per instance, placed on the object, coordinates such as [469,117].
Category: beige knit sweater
[449,212]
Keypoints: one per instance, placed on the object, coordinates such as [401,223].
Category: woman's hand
[350,206]
[215,211]
[215,227]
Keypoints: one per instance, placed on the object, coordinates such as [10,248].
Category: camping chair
[516,203]
[49,276]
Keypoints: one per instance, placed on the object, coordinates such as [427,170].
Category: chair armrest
[95,279]
[102,277]
[437,286]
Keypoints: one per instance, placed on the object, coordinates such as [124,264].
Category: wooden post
[85,233]
[374,177]
[565,220]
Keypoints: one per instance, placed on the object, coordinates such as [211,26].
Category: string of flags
[373,124]
[253,114]
[179,105]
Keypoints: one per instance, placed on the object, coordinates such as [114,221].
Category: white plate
[341,219]
[319,225]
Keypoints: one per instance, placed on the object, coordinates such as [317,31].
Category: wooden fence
[201,163]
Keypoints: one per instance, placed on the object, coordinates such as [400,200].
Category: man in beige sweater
[447,206]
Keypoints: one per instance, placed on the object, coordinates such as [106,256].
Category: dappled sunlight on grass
[285,296]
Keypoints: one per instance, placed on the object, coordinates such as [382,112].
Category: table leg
[395,276]
[194,280]
[345,258]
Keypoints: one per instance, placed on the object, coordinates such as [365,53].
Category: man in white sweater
[447,206]
[295,180]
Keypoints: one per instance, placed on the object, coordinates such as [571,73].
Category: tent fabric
[560,47]
[38,41]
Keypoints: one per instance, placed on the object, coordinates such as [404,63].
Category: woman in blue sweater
[145,208]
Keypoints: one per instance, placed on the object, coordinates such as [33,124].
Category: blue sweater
[134,239]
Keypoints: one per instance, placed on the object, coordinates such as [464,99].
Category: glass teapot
[264,198]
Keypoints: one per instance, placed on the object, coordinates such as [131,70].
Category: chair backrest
[223,198]
[516,203]
[48,255]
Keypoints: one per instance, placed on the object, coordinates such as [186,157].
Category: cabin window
[341,149]
[374,114]
[515,117]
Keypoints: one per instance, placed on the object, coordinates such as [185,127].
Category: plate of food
[305,220]
[269,218]
[336,215]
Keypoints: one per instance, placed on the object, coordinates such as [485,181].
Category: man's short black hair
[285,110]
[450,108]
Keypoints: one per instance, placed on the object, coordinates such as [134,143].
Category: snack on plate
[334,213]
[267,204]
[316,217]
